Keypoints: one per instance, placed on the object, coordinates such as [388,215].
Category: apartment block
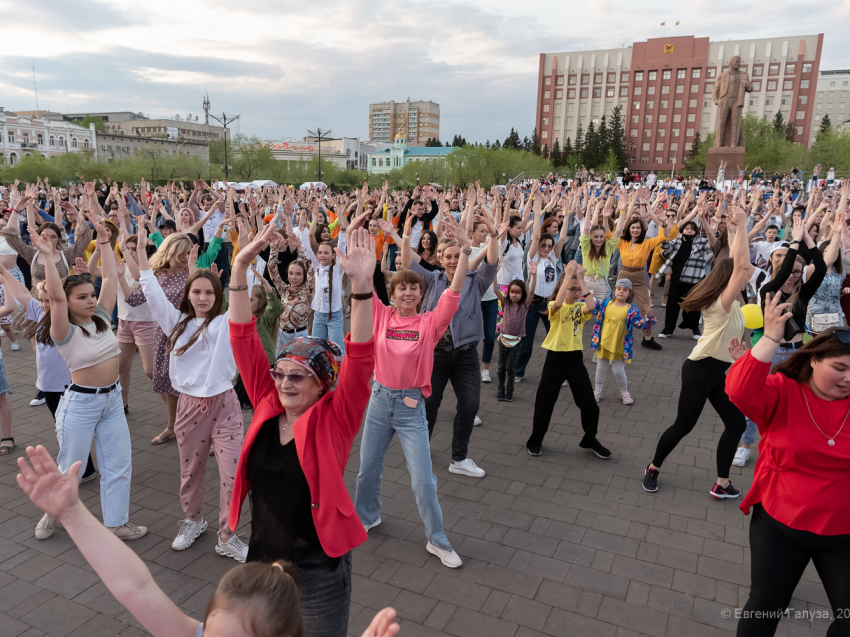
[416,121]
[833,97]
[664,89]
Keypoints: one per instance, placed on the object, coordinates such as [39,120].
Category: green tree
[433,142]
[693,153]
[790,132]
[526,143]
[497,145]
[544,152]
[568,150]
[578,145]
[458,141]
[487,144]
[97,120]
[604,141]
[555,154]
[825,128]
[512,141]
[779,123]
[611,163]
[617,137]
[591,147]
[535,142]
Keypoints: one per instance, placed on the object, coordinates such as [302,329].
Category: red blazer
[800,479]
[324,435]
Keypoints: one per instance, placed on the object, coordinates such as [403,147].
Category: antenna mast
[207,109]
[35,88]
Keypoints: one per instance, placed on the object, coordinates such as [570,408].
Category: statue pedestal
[733,157]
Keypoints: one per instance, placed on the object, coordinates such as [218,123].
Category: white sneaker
[477,421]
[188,533]
[234,547]
[466,468]
[15,347]
[518,379]
[741,457]
[35,402]
[45,527]
[663,335]
[371,526]
[448,558]
[485,376]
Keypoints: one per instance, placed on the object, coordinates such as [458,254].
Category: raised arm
[740,253]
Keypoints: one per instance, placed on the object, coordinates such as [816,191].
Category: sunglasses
[295,379]
[842,334]
[80,277]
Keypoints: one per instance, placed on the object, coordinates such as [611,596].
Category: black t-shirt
[282,518]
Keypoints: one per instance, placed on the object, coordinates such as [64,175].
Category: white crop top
[81,351]
[5,249]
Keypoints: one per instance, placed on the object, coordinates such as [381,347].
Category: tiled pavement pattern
[564,544]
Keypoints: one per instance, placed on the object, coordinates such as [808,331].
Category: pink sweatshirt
[404,346]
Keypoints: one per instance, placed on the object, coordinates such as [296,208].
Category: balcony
[29,145]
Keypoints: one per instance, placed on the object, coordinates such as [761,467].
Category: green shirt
[267,325]
[601,267]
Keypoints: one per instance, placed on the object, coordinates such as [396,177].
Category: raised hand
[737,348]
[360,260]
[249,252]
[775,317]
[80,266]
[49,490]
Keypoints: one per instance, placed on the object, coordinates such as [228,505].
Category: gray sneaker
[234,547]
[45,527]
[129,531]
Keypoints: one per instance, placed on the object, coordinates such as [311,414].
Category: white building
[349,153]
[22,136]
[833,98]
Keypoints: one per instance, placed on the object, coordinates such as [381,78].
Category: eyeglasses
[295,379]
[796,273]
[575,290]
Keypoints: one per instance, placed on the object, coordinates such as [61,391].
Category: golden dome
[398,135]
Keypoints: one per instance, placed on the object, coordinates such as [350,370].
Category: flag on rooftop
[663,23]
[678,22]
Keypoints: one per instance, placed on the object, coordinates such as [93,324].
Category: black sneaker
[509,396]
[596,447]
[533,451]
[721,493]
[650,480]
[500,395]
[650,344]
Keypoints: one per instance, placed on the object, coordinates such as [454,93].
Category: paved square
[562,545]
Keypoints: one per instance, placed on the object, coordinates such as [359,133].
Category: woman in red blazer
[299,441]
[801,488]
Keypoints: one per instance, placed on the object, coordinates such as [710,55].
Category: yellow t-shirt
[565,329]
[613,333]
[718,328]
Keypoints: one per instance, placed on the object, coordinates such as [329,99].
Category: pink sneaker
[598,395]
[627,398]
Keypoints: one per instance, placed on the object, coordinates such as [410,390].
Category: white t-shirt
[510,257]
[125,312]
[547,275]
[53,374]
[212,224]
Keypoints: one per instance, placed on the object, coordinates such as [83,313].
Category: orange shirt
[638,257]
[380,240]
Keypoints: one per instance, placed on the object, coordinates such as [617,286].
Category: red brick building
[664,89]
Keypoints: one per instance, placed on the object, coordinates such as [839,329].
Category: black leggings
[690,320]
[703,380]
[560,367]
[51,399]
[779,556]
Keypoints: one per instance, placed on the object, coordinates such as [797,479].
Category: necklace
[830,441]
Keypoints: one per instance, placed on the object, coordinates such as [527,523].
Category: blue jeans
[331,328]
[283,338]
[490,310]
[324,586]
[83,417]
[387,415]
[526,345]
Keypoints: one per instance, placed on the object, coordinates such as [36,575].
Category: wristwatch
[467,251]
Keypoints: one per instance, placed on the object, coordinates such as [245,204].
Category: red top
[324,435]
[800,479]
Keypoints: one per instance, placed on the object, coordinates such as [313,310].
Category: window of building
[597,78]
[659,147]
[559,95]
[609,92]
[645,146]
[560,80]
[650,90]
[692,117]
[635,119]
[633,132]
[647,132]
[695,73]
[819,106]
[756,86]
[841,105]
[773,69]
[681,74]
[633,146]
[638,90]
[571,93]
[653,75]
[674,146]
[650,103]
[572,80]
[545,121]
[545,135]
[712,72]
[694,88]
[789,69]
[661,132]
[639,76]
[680,88]
[374,162]
[595,107]
[624,77]
[807,68]
[547,81]
[831,84]
[51,140]
[664,103]
[771,85]
[801,115]
[692,103]
[546,95]
[584,92]
[636,106]
[612,77]
[689,132]
[624,91]
[597,92]
[705,117]
[585,79]
[786,100]
[665,90]
[545,108]
[677,117]
[709,88]
[665,75]
[787,85]
[804,83]
[677,103]
[26,138]
[648,118]
[675,132]
[662,118]
[706,103]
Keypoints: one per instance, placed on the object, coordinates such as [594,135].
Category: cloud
[288,66]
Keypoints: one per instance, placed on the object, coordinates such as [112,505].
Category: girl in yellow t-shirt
[612,337]
[570,306]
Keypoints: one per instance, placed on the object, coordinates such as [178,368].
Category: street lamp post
[224,122]
[319,135]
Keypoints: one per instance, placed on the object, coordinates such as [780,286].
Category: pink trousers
[201,422]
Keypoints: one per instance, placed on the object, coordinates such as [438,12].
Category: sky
[288,66]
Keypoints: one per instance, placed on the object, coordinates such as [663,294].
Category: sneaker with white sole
[15,347]
[234,548]
[38,400]
[626,397]
[466,468]
[368,527]
[448,558]
[94,474]
[485,376]
[477,421]
[45,527]
[187,533]
[663,335]
[129,531]
[741,457]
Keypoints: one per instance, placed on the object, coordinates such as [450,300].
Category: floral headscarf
[320,357]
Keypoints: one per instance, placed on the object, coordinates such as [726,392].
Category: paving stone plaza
[562,545]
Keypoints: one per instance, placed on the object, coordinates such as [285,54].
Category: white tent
[316,184]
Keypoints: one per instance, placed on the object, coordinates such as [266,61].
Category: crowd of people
[319,315]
